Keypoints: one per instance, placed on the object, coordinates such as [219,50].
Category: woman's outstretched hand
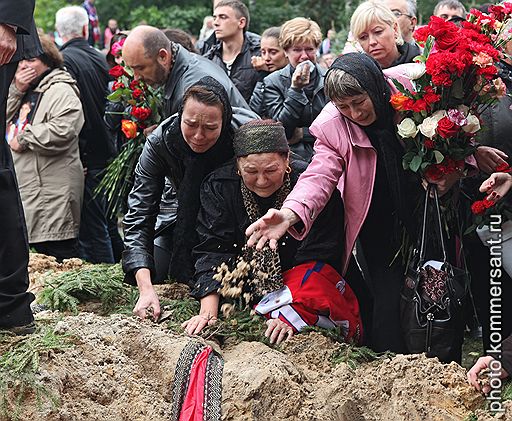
[270,228]
[148,304]
[278,331]
[497,185]
[488,158]
[207,315]
[196,324]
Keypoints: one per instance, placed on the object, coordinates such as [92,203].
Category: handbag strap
[432,188]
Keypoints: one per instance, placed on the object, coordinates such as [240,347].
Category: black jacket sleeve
[256,102]
[143,205]
[325,239]
[283,103]
[220,233]
[19,13]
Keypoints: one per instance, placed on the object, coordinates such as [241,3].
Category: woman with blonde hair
[295,95]
[375,27]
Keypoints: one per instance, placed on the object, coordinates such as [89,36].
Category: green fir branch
[64,291]
[354,356]
[19,369]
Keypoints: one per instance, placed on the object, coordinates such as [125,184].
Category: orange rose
[398,100]
[129,128]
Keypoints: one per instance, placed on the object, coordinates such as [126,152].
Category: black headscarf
[382,132]
[194,167]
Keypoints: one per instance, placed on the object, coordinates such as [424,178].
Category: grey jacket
[187,70]
[290,106]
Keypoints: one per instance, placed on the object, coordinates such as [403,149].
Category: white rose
[429,125]
[415,70]
[473,124]
[407,128]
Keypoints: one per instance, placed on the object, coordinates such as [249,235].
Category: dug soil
[122,368]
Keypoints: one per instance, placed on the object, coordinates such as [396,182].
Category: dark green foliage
[241,326]
[354,356]
[64,291]
[187,18]
[188,15]
[19,368]
[506,393]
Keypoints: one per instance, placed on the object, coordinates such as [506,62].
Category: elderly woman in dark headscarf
[297,285]
[190,145]
[358,152]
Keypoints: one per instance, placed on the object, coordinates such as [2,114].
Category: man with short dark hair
[233,50]
[449,9]
[18,41]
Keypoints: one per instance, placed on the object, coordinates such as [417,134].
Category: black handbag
[432,299]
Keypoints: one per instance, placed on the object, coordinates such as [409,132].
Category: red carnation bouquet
[142,109]
[454,80]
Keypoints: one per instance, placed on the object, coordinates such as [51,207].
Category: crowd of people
[271,149]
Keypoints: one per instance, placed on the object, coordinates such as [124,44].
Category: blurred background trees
[188,14]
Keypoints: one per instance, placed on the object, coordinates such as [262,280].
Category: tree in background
[188,14]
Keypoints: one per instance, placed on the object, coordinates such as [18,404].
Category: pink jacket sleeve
[323,175]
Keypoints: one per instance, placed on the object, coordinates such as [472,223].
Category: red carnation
[421,34]
[137,93]
[430,96]
[134,84]
[429,144]
[503,168]
[117,71]
[447,128]
[433,173]
[478,207]
[487,72]
[488,203]
[117,85]
[141,113]
[497,12]
[419,105]
[446,33]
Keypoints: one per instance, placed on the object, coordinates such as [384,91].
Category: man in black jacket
[18,41]
[234,49]
[89,68]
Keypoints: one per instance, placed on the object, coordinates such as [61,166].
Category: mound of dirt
[40,264]
[121,368]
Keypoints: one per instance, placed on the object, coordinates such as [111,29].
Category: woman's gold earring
[288,169]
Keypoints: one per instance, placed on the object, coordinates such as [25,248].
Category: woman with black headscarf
[358,152]
[295,286]
[193,143]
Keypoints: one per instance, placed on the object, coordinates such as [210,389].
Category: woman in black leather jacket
[193,143]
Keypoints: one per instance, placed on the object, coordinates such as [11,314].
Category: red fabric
[321,297]
[192,408]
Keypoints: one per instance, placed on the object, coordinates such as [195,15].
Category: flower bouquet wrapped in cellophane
[455,80]
[142,105]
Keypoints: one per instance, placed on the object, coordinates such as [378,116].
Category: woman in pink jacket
[357,152]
